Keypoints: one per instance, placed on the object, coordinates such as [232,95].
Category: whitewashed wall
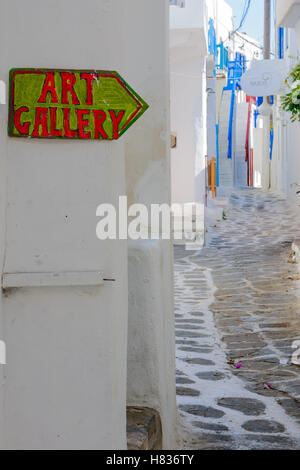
[222,14]
[258,141]
[248,46]
[285,166]
[288,13]
[188,42]
[67,347]
[188,101]
[224,20]
[211,83]
[151,343]
[65,382]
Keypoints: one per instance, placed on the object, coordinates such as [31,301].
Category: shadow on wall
[151,359]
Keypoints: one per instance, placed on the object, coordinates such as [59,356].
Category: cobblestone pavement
[238,305]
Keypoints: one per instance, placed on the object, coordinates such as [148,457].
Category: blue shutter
[281,43]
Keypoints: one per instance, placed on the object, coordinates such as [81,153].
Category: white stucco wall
[211,84]
[280,157]
[189,17]
[65,381]
[147,145]
[224,20]
[188,102]
[258,141]
[287,12]
[151,343]
[288,15]
[248,46]
[292,164]
[151,357]
[221,12]
[2,238]
[285,166]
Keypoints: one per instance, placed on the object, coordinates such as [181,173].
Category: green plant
[291,101]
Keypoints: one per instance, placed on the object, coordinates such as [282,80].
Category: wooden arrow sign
[71,104]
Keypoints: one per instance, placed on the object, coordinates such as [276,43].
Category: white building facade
[74,361]
[285,165]
[188,52]
[199,32]
[208,118]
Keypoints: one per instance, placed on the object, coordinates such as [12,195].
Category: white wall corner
[288,13]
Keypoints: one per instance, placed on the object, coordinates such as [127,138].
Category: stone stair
[144,431]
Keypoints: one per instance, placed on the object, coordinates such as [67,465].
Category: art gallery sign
[71,104]
[265,77]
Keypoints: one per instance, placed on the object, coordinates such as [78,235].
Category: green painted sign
[71,104]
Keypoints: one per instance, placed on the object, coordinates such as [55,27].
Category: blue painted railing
[230,129]
[236,69]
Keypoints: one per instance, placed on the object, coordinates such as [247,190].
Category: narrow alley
[237,317]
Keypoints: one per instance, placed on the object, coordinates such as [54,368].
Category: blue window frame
[281,43]
[222,57]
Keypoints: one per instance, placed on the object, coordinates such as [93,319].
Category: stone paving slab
[237,316]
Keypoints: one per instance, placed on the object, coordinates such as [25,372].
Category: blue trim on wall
[230,130]
[222,57]
[281,43]
[260,100]
[218,156]
[271,143]
[236,69]
[256,114]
